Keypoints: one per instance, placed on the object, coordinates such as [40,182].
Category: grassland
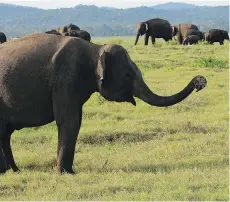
[143,152]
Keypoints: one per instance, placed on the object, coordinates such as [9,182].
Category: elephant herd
[186,34]
[68,30]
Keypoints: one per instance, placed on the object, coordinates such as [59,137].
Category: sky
[49,4]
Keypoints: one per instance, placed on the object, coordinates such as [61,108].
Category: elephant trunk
[142,91]
[137,37]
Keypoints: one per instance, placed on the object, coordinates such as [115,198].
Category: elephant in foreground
[216,35]
[2,38]
[79,33]
[191,39]
[52,81]
[180,31]
[154,28]
[67,28]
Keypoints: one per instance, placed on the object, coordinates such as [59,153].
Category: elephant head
[120,80]
[142,28]
[225,34]
[71,27]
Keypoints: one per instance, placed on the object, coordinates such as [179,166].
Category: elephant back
[160,28]
[183,28]
[190,32]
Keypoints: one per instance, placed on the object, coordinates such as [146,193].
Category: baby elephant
[79,33]
[191,39]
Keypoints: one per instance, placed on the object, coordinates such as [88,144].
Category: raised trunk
[142,91]
[137,37]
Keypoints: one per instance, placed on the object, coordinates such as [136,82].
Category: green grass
[143,152]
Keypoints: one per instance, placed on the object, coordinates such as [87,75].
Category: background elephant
[216,35]
[2,37]
[191,39]
[65,72]
[198,33]
[53,31]
[67,28]
[79,33]
[180,31]
[154,28]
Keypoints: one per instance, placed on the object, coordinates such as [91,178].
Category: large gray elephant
[180,31]
[154,28]
[52,81]
[2,38]
[216,35]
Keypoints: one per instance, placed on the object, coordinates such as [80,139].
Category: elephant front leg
[146,39]
[67,137]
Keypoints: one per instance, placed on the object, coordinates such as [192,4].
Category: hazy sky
[111,3]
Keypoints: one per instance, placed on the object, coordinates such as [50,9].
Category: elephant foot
[16,169]
[65,171]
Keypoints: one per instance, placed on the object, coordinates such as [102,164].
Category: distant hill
[174,6]
[104,21]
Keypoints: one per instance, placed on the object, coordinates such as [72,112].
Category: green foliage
[212,63]
[127,153]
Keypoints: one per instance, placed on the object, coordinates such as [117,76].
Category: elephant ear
[101,65]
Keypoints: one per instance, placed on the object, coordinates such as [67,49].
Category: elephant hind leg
[7,149]
[153,40]
[3,164]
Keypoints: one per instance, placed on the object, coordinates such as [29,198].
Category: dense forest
[105,21]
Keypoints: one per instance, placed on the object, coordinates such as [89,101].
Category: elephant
[180,31]
[79,33]
[53,31]
[194,32]
[191,39]
[57,76]
[2,37]
[67,28]
[154,28]
[216,35]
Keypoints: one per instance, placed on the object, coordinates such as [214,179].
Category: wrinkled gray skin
[180,31]
[191,39]
[216,35]
[2,38]
[46,77]
[79,33]
[154,28]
